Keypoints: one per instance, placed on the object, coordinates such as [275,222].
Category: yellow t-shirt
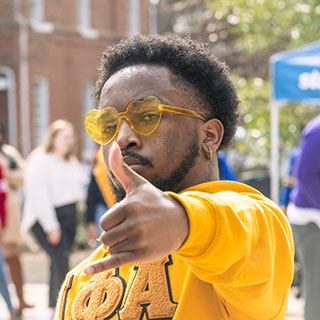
[237,263]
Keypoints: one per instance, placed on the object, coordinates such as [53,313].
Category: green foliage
[261,25]
[253,137]
[293,117]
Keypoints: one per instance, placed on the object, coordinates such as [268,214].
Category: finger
[115,235]
[112,217]
[127,245]
[127,177]
[110,262]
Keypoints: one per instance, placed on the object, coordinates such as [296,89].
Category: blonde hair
[53,130]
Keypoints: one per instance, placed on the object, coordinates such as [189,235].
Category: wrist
[182,221]
[201,224]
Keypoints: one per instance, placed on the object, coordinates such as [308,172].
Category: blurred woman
[4,291]
[13,165]
[54,183]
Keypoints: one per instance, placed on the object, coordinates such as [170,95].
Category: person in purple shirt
[304,214]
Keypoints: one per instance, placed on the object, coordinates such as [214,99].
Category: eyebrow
[138,99]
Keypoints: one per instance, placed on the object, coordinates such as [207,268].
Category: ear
[213,130]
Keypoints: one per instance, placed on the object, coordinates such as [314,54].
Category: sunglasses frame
[160,106]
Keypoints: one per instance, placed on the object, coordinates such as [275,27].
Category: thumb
[127,177]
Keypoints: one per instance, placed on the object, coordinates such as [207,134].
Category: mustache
[144,160]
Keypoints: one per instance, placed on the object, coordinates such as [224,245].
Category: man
[304,214]
[203,249]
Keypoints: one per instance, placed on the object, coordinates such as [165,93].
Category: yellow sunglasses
[143,117]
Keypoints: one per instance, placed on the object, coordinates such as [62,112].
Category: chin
[142,170]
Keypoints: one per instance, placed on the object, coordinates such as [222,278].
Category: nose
[126,137]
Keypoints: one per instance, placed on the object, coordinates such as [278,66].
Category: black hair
[193,63]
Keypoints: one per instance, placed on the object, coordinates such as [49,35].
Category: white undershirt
[303,216]
[50,182]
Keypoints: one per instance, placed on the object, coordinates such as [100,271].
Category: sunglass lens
[102,125]
[144,115]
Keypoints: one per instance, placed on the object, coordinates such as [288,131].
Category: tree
[253,136]
[263,27]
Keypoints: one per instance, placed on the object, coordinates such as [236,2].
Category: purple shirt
[306,192]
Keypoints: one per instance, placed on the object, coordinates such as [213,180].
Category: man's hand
[146,225]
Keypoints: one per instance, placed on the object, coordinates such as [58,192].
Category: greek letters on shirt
[149,295]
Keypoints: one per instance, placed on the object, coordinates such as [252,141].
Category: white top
[50,181]
[302,216]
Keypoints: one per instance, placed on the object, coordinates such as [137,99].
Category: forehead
[137,82]
[64,132]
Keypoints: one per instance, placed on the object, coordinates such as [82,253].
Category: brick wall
[64,57]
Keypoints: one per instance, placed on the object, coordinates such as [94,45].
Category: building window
[84,19]
[134,16]
[84,14]
[3,82]
[37,17]
[37,11]
[89,146]
[40,114]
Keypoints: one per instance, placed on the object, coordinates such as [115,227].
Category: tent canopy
[295,77]
[296,74]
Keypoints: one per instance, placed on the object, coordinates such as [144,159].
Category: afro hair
[191,62]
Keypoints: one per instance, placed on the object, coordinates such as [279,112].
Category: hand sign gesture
[146,225]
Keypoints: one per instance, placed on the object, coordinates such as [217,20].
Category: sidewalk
[36,266]
[36,289]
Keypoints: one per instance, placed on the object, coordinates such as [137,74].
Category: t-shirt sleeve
[243,245]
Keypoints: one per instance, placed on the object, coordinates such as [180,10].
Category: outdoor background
[49,50]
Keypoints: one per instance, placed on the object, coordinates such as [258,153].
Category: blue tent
[296,74]
[295,77]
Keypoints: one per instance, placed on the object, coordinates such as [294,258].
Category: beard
[118,191]
[172,180]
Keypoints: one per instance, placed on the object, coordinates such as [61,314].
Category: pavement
[36,267]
